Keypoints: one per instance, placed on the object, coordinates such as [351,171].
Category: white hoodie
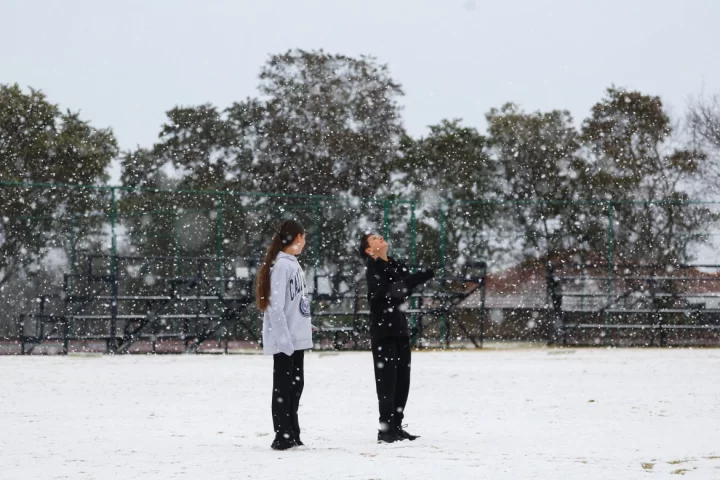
[286,321]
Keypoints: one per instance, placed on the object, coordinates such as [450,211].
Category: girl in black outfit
[390,284]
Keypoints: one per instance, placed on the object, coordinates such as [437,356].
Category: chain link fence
[53,238]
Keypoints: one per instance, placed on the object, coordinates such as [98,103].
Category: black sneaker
[282,443]
[388,437]
[400,432]
[297,440]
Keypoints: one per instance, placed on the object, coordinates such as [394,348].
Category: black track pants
[392,378]
[288,383]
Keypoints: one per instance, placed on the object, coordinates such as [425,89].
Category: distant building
[519,301]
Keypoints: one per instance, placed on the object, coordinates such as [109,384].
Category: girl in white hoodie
[281,294]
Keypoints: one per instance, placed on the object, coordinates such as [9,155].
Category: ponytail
[284,236]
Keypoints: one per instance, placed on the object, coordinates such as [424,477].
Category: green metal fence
[227,223]
[116,220]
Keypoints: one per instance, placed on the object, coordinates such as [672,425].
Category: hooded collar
[375,263]
[280,255]
[371,259]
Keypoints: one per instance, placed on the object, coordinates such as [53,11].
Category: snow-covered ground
[546,414]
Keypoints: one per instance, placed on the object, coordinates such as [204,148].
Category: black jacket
[390,284]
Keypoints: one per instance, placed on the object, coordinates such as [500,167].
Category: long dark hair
[284,236]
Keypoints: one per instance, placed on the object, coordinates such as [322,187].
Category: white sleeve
[276,310]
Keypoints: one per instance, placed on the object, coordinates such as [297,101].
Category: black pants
[392,378]
[288,383]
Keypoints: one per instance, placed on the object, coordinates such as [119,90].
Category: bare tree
[704,123]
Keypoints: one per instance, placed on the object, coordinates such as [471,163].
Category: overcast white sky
[124,63]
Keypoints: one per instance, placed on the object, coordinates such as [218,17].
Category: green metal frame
[223,210]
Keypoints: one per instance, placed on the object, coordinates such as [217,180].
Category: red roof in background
[529,276]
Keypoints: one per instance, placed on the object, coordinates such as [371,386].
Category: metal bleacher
[127,299]
[644,305]
[132,304]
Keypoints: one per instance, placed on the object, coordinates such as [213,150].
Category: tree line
[329,125]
